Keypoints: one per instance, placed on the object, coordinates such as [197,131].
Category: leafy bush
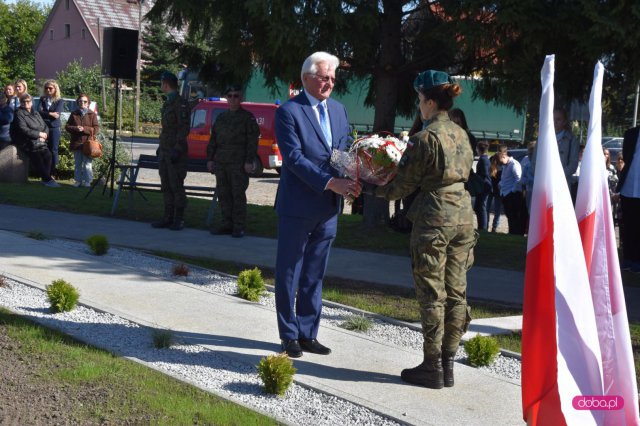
[251,284]
[181,270]
[37,235]
[162,339]
[101,165]
[481,350]
[4,282]
[357,323]
[276,372]
[62,296]
[98,244]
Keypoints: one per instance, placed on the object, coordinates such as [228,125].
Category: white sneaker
[52,184]
[76,184]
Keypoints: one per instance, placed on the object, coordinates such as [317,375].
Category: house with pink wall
[74,30]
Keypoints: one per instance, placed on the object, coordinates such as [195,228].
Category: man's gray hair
[310,65]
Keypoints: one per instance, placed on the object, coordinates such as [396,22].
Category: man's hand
[349,189]
[175,156]
[249,168]
[43,135]
[210,166]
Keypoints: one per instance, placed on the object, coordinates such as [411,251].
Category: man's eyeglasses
[233,96]
[325,78]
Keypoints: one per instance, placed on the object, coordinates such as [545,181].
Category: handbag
[475,184]
[92,148]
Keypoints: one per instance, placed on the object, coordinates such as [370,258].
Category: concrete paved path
[359,369]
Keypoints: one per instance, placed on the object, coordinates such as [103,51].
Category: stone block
[14,165]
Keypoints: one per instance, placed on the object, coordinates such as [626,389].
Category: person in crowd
[527,174]
[50,108]
[443,236]
[483,169]
[6,117]
[629,189]
[568,144]
[10,97]
[494,199]
[511,191]
[29,133]
[612,179]
[21,88]
[82,124]
[619,163]
[308,202]
[231,154]
[457,116]
[172,154]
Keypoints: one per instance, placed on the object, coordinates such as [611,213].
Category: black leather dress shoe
[292,348]
[315,347]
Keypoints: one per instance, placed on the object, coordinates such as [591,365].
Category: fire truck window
[199,118]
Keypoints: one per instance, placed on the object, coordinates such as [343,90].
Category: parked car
[204,115]
[68,106]
[612,143]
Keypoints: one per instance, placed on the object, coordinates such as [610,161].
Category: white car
[68,106]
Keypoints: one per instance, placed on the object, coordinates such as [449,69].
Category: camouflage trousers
[440,259]
[172,182]
[232,183]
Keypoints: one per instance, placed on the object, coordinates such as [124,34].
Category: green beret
[430,78]
[169,76]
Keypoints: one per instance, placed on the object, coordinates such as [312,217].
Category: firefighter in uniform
[231,153]
[437,163]
[172,154]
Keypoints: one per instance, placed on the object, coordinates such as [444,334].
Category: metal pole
[136,120]
[635,109]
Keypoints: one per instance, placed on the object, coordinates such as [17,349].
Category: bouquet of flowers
[373,159]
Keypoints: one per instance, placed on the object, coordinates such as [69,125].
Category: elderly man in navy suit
[308,127]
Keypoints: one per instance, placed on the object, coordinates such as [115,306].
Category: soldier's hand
[175,156]
[210,166]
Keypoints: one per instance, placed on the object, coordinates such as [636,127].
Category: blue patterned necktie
[324,122]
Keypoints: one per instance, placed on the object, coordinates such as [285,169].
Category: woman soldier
[437,163]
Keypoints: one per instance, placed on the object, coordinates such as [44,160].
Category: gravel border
[205,368]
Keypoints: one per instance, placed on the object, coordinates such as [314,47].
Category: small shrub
[181,270]
[162,339]
[358,323]
[251,284]
[37,235]
[481,350]
[4,282]
[98,244]
[62,296]
[276,372]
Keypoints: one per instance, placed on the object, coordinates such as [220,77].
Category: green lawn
[118,391]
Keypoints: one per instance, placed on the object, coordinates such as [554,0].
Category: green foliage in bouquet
[98,244]
[63,297]
[251,284]
[481,350]
[276,372]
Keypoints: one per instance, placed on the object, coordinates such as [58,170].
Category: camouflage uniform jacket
[437,161]
[175,124]
[234,138]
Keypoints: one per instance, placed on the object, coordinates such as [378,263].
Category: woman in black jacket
[50,108]
[29,133]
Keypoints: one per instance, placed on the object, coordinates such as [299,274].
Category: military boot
[447,368]
[428,374]
[178,221]
[166,221]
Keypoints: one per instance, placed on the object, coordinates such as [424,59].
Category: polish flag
[593,210]
[560,349]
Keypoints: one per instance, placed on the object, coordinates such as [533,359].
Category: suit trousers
[630,229]
[302,257]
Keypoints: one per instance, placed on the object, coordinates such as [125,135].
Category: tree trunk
[376,210]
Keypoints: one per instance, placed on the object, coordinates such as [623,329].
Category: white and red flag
[560,349]
[595,221]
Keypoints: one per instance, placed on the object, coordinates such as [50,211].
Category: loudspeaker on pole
[119,53]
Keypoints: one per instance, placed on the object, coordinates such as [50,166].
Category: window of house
[66,4]
[50,34]
[67,30]
[84,34]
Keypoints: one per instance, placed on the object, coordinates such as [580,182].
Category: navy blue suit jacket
[306,167]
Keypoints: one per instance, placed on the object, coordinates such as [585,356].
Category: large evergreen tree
[159,53]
